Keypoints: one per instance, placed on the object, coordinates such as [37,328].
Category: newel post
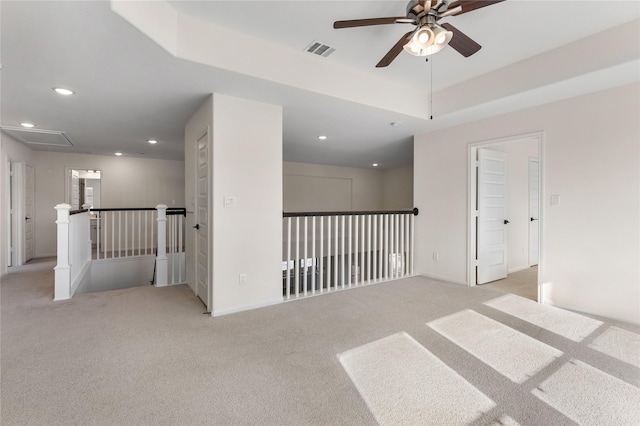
[161,255]
[62,287]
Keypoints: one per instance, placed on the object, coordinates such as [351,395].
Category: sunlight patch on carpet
[565,323]
[589,396]
[511,353]
[405,384]
[618,343]
[505,421]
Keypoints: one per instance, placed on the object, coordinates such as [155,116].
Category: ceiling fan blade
[366,22]
[461,42]
[395,51]
[471,5]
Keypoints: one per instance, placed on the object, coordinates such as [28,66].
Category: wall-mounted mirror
[83,187]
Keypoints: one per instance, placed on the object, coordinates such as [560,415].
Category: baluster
[146,228]
[401,249]
[329,259]
[342,277]
[375,247]
[304,262]
[350,245]
[407,240]
[335,258]
[321,266]
[355,249]
[98,235]
[288,278]
[363,266]
[139,229]
[126,232]
[396,246]
[386,246]
[369,249]
[297,263]
[313,255]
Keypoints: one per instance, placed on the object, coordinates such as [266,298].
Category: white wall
[398,188]
[354,188]
[591,158]
[17,152]
[247,164]
[317,187]
[125,182]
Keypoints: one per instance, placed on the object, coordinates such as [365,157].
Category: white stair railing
[125,232]
[73,250]
[328,251]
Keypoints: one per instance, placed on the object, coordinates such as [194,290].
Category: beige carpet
[147,356]
[522,283]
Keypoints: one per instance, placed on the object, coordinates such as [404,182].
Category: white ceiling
[129,89]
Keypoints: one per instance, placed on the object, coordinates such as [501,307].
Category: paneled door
[492,216]
[29,195]
[202,220]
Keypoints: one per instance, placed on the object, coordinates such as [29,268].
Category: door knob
[197,226]
[532,219]
[506,221]
[27,218]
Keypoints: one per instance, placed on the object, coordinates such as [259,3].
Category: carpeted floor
[523,283]
[147,356]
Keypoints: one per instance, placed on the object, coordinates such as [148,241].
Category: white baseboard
[442,278]
[518,269]
[220,312]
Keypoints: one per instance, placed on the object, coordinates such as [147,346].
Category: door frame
[534,160]
[472,181]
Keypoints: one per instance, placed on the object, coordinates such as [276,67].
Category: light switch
[555,200]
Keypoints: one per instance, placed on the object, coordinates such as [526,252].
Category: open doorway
[504,239]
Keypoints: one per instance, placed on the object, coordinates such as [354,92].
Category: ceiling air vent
[320,49]
[38,136]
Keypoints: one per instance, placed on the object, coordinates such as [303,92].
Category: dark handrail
[170,210]
[176,211]
[124,209]
[350,213]
[72,212]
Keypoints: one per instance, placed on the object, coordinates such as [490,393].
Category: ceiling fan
[429,36]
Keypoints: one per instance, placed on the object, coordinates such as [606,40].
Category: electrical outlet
[230,202]
[242,279]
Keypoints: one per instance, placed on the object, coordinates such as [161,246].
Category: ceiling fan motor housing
[415,10]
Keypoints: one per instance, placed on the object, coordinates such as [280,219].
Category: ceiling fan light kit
[429,37]
[428,40]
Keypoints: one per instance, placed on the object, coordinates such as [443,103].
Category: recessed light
[63,91]
[152,141]
[394,124]
[375,164]
[29,125]
[322,137]
[118,154]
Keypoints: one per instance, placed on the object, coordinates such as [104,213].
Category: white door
[202,220]
[534,211]
[492,211]
[10,203]
[29,195]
